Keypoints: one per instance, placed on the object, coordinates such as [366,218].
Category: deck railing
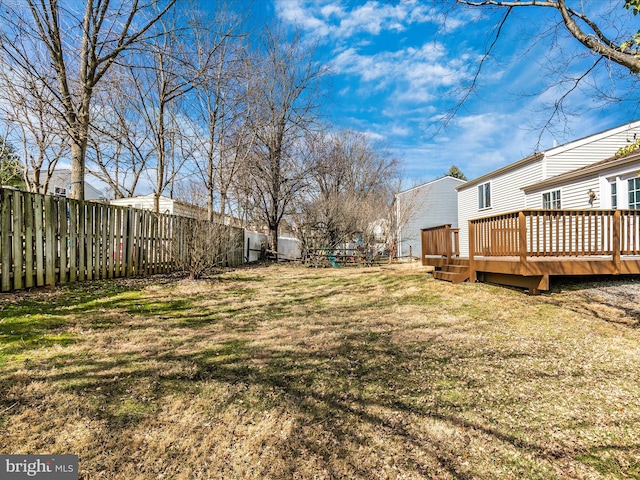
[440,241]
[554,233]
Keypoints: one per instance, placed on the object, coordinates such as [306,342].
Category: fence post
[447,242]
[617,241]
[472,253]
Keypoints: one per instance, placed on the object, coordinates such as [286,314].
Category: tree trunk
[161,158]
[273,241]
[77,169]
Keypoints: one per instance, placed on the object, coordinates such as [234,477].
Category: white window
[614,194]
[634,193]
[60,191]
[484,196]
[551,200]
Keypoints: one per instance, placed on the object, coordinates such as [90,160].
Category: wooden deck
[527,247]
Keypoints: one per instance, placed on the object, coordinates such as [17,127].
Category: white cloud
[374,136]
[418,74]
[331,19]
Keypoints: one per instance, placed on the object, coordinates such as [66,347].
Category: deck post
[617,241]
[423,248]
[447,242]
[472,263]
[522,238]
[456,241]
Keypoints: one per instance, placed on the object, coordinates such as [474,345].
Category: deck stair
[456,271]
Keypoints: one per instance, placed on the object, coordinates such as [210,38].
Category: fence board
[73,241]
[18,257]
[5,243]
[29,237]
[110,250]
[63,213]
[49,241]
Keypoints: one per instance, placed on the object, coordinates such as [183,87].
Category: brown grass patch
[288,372]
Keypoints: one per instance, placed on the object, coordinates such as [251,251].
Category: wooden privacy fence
[553,233]
[48,240]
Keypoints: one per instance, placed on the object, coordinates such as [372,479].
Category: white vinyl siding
[574,195]
[589,150]
[506,196]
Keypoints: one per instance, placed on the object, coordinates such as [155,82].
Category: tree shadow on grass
[326,390]
[358,388]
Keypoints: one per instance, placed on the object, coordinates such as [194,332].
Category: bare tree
[161,75]
[81,46]
[219,106]
[120,144]
[26,106]
[283,94]
[619,47]
[10,171]
[601,33]
[350,196]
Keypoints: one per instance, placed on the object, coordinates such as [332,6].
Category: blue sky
[398,66]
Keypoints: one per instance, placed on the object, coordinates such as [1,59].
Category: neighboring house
[562,177]
[172,207]
[167,205]
[427,205]
[60,184]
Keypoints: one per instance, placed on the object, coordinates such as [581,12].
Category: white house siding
[428,205]
[575,188]
[145,202]
[167,205]
[588,150]
[60,184]
[573,196]
[506,196]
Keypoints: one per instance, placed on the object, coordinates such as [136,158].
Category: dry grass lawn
[285,372]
